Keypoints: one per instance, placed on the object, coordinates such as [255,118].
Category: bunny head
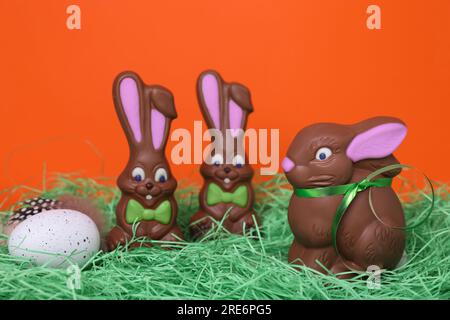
[145,113]
[326,154]
[225,108]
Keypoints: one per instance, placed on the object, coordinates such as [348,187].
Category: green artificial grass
[225,266]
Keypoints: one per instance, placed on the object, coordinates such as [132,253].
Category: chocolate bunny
[227,186]
[147,185]
[328,154]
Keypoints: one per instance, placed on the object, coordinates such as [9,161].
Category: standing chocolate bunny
[326,157]
[227,187]
[145,113]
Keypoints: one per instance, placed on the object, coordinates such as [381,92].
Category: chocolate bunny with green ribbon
[227,188]
[147,185]
[334,169]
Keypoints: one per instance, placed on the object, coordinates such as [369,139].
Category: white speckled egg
[56,238]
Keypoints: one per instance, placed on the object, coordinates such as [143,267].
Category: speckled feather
[32,207]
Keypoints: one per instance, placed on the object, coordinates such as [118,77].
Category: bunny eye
[161,175]
[238,161]
[138,174]
[323,154]
[217,159]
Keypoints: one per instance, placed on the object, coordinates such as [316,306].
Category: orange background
[304,61]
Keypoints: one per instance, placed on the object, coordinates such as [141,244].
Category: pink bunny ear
[129,97]
[377,142]
[236,115]
[162,112]
[211,96]
[239,106]
[158,123]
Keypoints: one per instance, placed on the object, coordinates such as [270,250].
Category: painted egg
[55,238]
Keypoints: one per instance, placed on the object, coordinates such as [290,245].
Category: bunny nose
[227,169]
[149,186]
[287,164]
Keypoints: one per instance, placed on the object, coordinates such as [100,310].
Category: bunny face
[316,157]
[325,154]
[145,113]
[227,176]
[225,108]
[147,179]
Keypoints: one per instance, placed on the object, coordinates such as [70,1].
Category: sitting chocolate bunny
[147,185]
[227,187]
[326,155]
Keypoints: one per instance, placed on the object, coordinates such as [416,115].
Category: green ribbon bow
[136,212]
[216,195]
[351,190]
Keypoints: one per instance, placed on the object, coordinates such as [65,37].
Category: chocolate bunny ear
[128,101]
[210,95]
[162,113]
[239,107]
[376,138]
[145,112]
[224,106]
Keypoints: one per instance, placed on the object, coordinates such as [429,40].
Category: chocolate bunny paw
[175,234]
[200,224]
[245,225]
[115,238]
[343,269]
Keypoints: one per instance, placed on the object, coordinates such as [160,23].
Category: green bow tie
[136,212]
[216,195]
